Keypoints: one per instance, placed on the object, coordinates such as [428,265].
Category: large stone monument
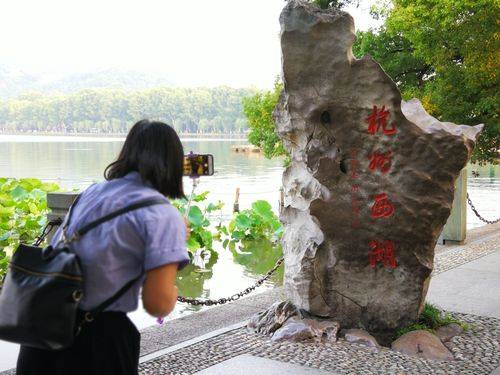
[371,179]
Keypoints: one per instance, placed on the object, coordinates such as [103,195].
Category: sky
[193,43]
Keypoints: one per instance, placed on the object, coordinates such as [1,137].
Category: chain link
[234,297]
[478,214]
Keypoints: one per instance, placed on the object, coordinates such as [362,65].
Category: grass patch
[430,320]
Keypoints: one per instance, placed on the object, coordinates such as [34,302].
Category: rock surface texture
[446,333]
[267,322]
[422,344]
[359,336]
[371,179]
[307,330]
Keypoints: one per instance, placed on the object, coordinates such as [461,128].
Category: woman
[150,241]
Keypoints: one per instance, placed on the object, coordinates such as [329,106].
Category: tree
[193,110]
[448,58]
[258,110]
[395,55]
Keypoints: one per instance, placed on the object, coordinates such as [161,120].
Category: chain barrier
[234,297]
[478,214]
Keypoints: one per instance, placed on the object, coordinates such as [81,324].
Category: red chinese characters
[378,120]
[382,206]
[381,161]
[382,252]
[354,168]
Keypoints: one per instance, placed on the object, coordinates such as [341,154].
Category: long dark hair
[153,149]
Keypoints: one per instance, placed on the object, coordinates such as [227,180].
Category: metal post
[58,204]
[455,228]
[236,205]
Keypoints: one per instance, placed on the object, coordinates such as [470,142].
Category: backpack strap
[93,224]
[90,315]
[104,305]
[135,206]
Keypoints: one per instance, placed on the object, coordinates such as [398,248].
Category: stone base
[284,321]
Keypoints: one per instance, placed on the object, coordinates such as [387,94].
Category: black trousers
[107,346]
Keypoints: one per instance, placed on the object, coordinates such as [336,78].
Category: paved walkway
[466,281]
[472,288]
[245,364]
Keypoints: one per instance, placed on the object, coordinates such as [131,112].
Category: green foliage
[258,110]
[201,236]
[395,55]
[446,54]
[256,223]
[430,320]
[23,209]
[325,4]
[188,110]
[433,318]
[413,327]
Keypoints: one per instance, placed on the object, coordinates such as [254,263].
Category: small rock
[325,330]
[360,336]
[273,318]
[294,330]
[447,332]
[422,344]
[307,330]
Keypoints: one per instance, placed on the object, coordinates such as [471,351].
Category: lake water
[76,162]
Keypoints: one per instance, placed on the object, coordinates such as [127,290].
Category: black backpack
[43,288]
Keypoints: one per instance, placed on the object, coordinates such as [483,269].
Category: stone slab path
[475,286]
[250,365]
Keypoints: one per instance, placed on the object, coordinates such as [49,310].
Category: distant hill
[109,78]
[14,82]
[110,101]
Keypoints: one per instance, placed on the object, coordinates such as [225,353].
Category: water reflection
[258,257]
[191,280]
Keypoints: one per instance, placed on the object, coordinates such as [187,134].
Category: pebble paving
[459,255]
[477,351]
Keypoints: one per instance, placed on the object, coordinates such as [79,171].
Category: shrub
[23,210]
[430,319]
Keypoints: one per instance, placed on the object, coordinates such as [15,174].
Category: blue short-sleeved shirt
[125,247]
